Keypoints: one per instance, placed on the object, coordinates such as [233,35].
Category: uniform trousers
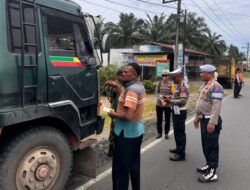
[167,114]
[179,132]
[237,89]
[210,143]
[126,162]
[240,87]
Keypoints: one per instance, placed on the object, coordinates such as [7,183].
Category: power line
[213,11]
[228,19]
[120,4]
[101,6]
[131,7]
[211,19]
[229,12]
[157,4]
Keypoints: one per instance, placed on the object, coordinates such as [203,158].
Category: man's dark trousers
[126,162]
[210,143]
[179,132]
[167,113]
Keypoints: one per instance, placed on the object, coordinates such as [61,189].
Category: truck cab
[49,91]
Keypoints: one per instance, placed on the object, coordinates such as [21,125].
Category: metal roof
[187,50]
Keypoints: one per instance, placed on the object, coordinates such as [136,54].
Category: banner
[180,61]
[160,67]
[180,56]
[150,59]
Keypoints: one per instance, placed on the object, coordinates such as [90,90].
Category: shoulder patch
[184,92]
[217,91]
[217,88]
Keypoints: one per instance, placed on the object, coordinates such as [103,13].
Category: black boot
[158,136]
[166,136]
[173,151]
[210,176]
[177,158]
[203,169]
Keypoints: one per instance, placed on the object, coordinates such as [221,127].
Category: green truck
[49,93]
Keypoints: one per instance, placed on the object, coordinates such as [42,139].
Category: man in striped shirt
[129,130]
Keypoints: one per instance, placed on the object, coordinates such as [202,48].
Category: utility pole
[184,36]
[248,55]
[177,30]
[248,66]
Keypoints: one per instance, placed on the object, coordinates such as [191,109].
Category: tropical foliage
[214,44]
[234,52]
[196,30]
[156,29]
[126,32]
[131,31]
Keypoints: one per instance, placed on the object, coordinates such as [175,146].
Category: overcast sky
[230,18]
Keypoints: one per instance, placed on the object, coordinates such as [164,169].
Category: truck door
[72,73]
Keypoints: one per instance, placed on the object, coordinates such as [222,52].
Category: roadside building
[156,57]
[193,59]
[151,58]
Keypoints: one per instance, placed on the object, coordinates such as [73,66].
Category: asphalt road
[158,173]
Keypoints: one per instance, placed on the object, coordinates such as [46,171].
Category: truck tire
[39,158]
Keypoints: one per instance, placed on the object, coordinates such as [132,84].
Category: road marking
[108,171]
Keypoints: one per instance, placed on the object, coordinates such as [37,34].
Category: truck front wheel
[39,158]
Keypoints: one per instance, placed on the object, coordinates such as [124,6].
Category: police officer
[113,91]
[163,88]
[237,83]
[178,103]
[241,82]
[208,116]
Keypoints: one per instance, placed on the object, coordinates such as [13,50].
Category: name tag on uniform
[177,110]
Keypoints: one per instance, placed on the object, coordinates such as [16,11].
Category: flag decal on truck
[59,61]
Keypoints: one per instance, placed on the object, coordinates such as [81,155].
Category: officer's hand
[167,99]
[163,102]
[111,113]
[210,128]
[196,123]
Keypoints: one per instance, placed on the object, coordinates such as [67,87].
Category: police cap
[176,72]
[207,68]
[165,72]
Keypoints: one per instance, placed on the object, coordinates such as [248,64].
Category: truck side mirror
[105,46]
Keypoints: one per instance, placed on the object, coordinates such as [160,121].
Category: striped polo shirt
[132,97]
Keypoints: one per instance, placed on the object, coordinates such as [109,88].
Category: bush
[149,86]
[106,73]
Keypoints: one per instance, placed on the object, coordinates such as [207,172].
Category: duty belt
[183,108]
[205,116]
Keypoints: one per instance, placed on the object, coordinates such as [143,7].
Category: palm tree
[171,28]
[127,32]
[196,29]
[214,44]
[233,52]
[155,29]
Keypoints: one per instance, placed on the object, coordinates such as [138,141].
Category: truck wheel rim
[38,170]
